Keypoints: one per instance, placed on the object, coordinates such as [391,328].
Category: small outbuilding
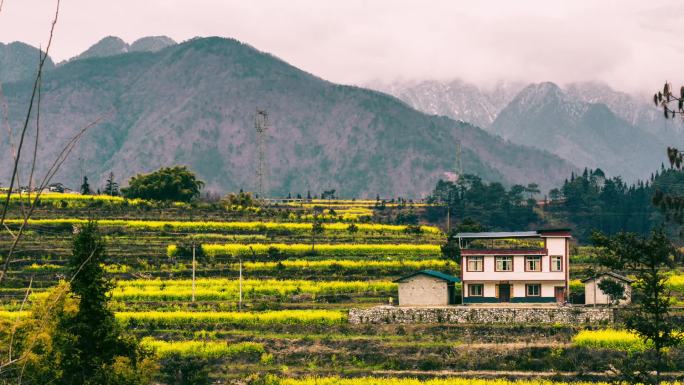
[593,295]
[427,288]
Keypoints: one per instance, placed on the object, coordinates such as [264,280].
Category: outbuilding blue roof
[431,273]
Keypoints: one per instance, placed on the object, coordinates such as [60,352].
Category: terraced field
[291,325]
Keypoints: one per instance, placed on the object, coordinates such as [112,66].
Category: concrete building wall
[423,290]
[518,273]
[594,295]
[518,291]
[556,246]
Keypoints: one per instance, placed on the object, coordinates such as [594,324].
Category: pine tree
[111,187]
[86,345]
[647,259]
[85,187]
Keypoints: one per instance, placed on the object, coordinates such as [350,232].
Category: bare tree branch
[28,117]
[61,158]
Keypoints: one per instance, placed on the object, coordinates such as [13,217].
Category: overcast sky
[632,45]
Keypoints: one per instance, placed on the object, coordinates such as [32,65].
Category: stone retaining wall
[484,315]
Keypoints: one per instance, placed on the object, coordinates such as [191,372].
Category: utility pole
[194,263]
[240,303]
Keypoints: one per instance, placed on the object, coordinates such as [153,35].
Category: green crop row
[332,250]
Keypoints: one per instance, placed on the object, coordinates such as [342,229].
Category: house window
[533,263]
[556,263]
[475,264]
[475,290]
[504,263]
[533,290]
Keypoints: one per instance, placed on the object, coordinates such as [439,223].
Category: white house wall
[518,288]
[518,272]
[594,295]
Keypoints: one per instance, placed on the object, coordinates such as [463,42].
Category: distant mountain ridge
[20,61]
[587,134]
[456,99]
[112,45]
[193,103]
[576,105]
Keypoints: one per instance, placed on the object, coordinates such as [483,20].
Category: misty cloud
[632,45]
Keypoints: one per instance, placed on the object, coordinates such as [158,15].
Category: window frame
[473,285]
[528,258]
[552,266]
[500,257]
[475,258]
[527,289]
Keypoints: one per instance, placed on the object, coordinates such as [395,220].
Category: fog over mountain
[456,99]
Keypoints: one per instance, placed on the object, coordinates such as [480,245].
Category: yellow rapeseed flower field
[204,349]
[223,226]
[219,289]
[185,318]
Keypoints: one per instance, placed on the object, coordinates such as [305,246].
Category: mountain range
[194,104]
[588,124]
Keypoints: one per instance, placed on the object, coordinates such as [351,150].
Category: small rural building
[515,267]
[593,295]
[427,288]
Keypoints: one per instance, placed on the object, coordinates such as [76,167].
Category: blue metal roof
[431,273]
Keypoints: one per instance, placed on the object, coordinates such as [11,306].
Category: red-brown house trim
[556,233]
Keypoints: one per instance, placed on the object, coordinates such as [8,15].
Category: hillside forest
[585,202]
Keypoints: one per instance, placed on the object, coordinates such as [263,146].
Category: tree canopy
[166,184]
[489,204]
[73,337]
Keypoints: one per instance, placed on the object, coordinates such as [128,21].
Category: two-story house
[515,267]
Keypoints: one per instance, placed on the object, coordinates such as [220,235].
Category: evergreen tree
[85,187]
[111,187]
[647,259]
[84,344]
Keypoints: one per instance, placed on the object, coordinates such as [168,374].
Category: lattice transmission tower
[261,125]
